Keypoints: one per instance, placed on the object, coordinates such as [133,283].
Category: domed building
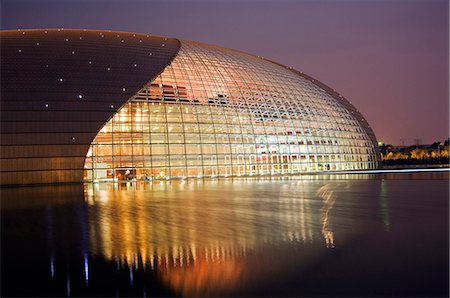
[87,105]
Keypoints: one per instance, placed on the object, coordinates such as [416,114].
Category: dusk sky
[389,58]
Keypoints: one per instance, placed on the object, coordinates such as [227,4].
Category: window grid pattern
[216,112]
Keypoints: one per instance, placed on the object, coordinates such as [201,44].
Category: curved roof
[59,86]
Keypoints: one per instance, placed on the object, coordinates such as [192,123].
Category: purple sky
[389,58]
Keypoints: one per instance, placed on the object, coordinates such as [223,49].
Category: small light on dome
[20,51]
[81,37]
[163,45]
[46,65]
[109,68]
[135,64]
[73,138]
[112,106]
[37,43]
[140,40]
[90,62]
[80,96]
[46,105]
[73,52]
[150,54]
[122,40]
[66,38]
[61,79]
[123,89]
[23,32]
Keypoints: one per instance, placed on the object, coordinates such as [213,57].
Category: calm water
[347,235]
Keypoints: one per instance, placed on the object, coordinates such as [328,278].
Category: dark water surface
[341,235]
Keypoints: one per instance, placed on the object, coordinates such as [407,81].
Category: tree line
[436,153]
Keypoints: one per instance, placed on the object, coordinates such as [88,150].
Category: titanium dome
[87,105]
[216,112]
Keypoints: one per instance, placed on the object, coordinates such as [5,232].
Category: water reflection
[177,224]
[196,234]
[384,205]
[328,196]
[206,238]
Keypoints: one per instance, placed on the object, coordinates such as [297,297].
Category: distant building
[84,105]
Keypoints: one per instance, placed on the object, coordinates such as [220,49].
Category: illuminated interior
[216,112]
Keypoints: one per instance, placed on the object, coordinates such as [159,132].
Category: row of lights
[101,35]
[89,62]
[80,96]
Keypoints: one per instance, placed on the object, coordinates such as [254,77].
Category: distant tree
[436,153]
[389,155]
[419,153]
[400,155]
[435,145]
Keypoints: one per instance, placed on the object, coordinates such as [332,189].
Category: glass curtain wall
[216,112]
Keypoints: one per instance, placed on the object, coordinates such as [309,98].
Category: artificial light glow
[52,266]
[86,268]
[242,126]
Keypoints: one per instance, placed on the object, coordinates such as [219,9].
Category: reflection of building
[130,106]
[159,227]
[180,234]
[195,241]
[184,232]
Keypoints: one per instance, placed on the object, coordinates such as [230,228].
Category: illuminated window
[215,112]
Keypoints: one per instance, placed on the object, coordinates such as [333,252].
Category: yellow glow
[244,117]
[329,198]
[164,237]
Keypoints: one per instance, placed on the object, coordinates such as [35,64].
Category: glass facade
[216,112]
